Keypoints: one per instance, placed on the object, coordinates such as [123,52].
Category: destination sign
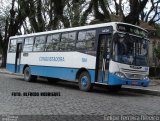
[131,29]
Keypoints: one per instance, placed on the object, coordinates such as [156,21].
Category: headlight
[120,74]
[145,78]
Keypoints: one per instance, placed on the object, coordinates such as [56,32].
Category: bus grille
[133,74]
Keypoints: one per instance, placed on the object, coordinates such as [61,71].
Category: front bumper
[115,80]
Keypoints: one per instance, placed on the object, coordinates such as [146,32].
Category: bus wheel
[84,81]
[27,75]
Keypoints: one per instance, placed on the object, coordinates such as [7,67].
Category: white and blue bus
[112,54]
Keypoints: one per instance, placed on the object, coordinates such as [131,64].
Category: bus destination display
[131,29]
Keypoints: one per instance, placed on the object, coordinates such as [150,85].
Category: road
[71,100]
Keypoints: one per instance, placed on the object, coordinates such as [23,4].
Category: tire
[27,75]
[84,81]
[114,88]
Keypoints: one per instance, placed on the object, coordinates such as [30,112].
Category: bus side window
[64,39]
[39,44]
[81,44]
[28,44]
[68,41]
[72,40]
[90,39]
[52,42]
[86,40]
[12,45]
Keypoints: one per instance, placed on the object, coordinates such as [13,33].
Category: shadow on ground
[100,89]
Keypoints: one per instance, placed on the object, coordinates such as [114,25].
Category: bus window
[68,41]
[82,36]
[52,42]
[64,37]
[90,35]
[28,44]
[129,49]
[90,39]
[86,40]
[12,46]
[72,36]
[81,45]
[39,44]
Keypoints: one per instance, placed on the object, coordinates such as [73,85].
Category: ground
[72,101]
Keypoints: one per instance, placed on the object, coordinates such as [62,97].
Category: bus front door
[102,62]
[18,57]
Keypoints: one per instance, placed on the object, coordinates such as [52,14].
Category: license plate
[134,83]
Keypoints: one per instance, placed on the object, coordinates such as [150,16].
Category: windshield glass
[129,49]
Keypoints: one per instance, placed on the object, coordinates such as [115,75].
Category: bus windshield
[130,49]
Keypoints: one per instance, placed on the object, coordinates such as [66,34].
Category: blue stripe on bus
[115,80]
[70,74]
[55,72]
[10,67]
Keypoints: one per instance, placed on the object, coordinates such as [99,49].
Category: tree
[152,16]
[135,9]
[103,16]
[13,23]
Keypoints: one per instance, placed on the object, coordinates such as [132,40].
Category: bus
[112,54]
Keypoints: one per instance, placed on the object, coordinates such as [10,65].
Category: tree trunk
[5,45]
[136,7]
[12,25]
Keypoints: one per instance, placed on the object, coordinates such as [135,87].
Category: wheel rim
[84,81]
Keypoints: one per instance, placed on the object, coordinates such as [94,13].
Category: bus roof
[74,29]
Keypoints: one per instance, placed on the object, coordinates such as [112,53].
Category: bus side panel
[10,66]
[63,65]
[21,68]
[56,72]
[92,74]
